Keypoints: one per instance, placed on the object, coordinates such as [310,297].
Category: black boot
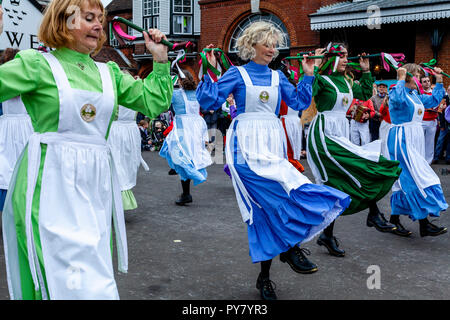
[297,260]
[264,285]
[429,229]
[172,172]
[331,243]
[185,196]
[401,230]
[376,219]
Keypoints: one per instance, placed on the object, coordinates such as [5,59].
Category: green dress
[359,171]
[30,76]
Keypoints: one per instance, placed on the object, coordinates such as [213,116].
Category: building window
[182,16]
[150,14]
[182,6]
[182,24]
[258,17]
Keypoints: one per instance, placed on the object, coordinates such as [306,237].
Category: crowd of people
[366,118]
[67,188]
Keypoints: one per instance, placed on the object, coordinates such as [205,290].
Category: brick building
[415,27]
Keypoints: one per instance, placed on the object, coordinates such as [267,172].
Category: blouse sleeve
[20,75]
[211,95]
[435,99]
[397,95]
[150,96]
[300,97]
[364,90]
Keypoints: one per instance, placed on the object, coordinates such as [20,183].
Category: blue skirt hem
[188,171]
[417,207]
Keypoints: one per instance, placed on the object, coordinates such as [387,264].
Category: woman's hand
[364,63]
[210,56]
[401,73]
[438,75]
[319,52]
[152,41]
[308,65]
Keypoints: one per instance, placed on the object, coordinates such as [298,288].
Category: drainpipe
[436,40]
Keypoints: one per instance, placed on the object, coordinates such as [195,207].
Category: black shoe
[297,260]
[380,223]
[431,230]
[264,285]
[331,244]
[401,230]
[172,172]
[184,199]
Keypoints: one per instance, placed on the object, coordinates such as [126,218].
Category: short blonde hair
[413,69]
[54,30]
[258,32]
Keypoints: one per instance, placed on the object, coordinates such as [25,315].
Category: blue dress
[184,147]
[418,192]
[281,207]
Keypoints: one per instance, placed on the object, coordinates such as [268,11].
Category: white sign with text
[21,25]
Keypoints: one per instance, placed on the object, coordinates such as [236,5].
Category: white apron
[15,130]
[337,129]
[261,142]
[79,198]
[384,133]
[125,142]
[294,131]
[189,134]
[423,175]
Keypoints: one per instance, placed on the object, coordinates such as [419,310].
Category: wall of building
[220,17]
[424,52]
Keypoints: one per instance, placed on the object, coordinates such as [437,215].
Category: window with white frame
[182,16]
[150,14]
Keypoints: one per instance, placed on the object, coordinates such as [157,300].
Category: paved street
[200,251]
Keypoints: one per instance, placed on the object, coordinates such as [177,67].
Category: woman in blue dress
[418,192]
[281,207]
[184,147]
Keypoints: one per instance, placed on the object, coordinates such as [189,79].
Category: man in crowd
[375,121]
[429,122]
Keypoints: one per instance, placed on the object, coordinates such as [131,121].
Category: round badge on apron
[419,112]
[345,100]
[264,96]
[88,112]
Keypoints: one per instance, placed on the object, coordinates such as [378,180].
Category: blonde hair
[413,69]
[54,31]
[258,32]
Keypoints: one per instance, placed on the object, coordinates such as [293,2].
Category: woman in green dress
[64,194]
[359,171]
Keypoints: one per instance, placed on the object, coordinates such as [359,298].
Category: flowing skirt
[359,171]
[418,192]
[281,207]
[185,150]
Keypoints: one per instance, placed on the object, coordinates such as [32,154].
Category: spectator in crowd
[443,141]
[211,117]
[146,141]
[375,121]
[429,122]
[224,120]
[360,113]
